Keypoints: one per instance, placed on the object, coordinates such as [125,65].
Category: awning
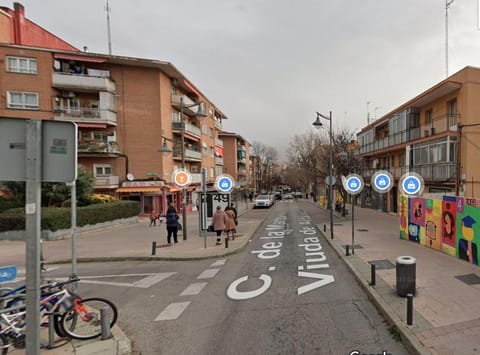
[80,58]
[173,188]
[91,125]
[140,189]
[193,138]
[219,151]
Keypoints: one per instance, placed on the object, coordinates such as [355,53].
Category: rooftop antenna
[107,8]
[447,6]
[368,113]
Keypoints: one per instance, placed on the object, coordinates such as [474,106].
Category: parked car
[263,201]
[288,196]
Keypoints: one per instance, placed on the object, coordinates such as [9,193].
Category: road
[286,293]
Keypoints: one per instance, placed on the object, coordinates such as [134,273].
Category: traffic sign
[224,183]
[412,184]
[8,273]
[330,180]
[182,178]
[354,184]
[382,181]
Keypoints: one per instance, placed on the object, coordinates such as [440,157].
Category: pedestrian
[232,207]
[218,222]
[230,222]
[153,218]
[172,224]
[250,196]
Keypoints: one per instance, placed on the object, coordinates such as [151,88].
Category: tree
[264,162]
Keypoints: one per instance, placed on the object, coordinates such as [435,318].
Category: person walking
[153,218]
[218,222]
[230,222]
[172,224]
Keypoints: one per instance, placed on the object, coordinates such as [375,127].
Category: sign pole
[33,201]
[354,197]
[203,208]
[73,207]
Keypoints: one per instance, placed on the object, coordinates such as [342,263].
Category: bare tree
[266,157]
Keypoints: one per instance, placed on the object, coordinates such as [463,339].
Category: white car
[263,201]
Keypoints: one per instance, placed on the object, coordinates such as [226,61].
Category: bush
[55,218]
[6,204]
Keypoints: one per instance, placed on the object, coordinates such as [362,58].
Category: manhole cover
[469,279]
[382,264]
[362,230]
[357,246]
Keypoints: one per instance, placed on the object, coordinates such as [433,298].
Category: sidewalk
[446,317]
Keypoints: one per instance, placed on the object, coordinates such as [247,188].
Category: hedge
[56,218]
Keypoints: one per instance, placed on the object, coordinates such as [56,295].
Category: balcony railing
[189,128]
[106,182]
[218,142]
[437,171]
[85,114]
[83,81]
[191,111]
[98,147]
[189,154]
[218,160]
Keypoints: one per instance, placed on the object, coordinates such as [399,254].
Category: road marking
[271,268]
[208,274]
[146,282]
[193,289]
[219,262]
[152,280]
[173,311]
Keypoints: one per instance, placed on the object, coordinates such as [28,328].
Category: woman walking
[230,222]
[218,222]
[172,224]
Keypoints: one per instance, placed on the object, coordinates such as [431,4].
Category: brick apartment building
[125,109]
[434,134]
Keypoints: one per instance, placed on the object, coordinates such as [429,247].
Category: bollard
[226,242]
[372,275]
[105,323]
[51,331]
[409,309]
[324,227]
[154,247]
[347,250]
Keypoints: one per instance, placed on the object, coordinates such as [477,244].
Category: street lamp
[164,149]
[317,124]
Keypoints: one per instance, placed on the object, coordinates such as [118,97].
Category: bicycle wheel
[4,345]
[83,320]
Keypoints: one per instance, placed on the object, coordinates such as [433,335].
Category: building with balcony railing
[423,136]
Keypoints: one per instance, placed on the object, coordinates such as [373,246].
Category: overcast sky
[269,65]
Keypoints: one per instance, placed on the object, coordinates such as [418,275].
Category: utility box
[406,275]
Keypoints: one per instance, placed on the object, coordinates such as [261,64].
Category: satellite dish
[130,177]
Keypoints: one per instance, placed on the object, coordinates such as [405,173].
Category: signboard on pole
[8,273]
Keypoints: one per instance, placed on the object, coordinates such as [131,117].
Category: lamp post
[318,124]
[164,149]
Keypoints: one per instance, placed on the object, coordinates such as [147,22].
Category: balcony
[189,128]
[106,182]
[437,171]
[190,111]
[97,80]
[86,115]
[218,142]
[218,160]
[196,178]
[189,154]
[98,147]
[219,125]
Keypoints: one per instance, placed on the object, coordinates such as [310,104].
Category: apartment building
[125,109]
[237,160]
[434,134]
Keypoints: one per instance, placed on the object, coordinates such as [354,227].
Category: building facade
[434,135]
[125,109]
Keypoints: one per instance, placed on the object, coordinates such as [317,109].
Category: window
[212,152]
[429,117]
[103,170]
[22,100]
[22,65]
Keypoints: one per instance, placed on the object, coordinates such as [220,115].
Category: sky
[270,65]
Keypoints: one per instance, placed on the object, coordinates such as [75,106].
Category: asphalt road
[286,293]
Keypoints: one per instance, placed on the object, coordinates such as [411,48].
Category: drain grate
[469,279]
[357,246]
[382,264]
[362,230]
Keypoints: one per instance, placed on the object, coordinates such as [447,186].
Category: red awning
[91,125]
[79,58]
[140,189]
[219,151]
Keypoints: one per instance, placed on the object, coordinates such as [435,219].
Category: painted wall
[451,225]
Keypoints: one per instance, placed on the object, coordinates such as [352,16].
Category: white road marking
[208,274]
[193,289]
[219,262]
[271,268]
[152,280]
[173,311]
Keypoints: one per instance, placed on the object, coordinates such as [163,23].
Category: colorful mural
[451,225]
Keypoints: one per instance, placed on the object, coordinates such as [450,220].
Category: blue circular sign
[224,183]
[382,181]
[411,185]
[354,184]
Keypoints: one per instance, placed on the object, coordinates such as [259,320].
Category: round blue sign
[224,183]
[354,184]
[411,185]
[382,181]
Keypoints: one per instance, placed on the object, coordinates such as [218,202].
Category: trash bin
[406,275]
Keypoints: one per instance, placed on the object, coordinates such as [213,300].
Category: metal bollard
[372,275]
[105,323]
[226,242]
[51,331]
[154,247]
[409,309]
[324,227]
[347,250]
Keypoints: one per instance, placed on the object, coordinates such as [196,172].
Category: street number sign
[382,181]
